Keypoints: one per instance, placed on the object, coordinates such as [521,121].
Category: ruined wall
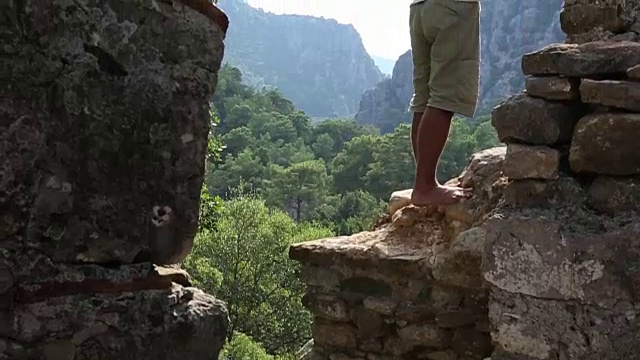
[563,251]
[411,289]
[104,118]
[543,263]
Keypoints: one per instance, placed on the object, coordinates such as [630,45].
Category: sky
[382,24]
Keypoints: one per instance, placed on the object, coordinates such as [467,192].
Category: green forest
[275,178]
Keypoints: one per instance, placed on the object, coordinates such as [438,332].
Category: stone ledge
[94,279]
[614,93]
[598,58]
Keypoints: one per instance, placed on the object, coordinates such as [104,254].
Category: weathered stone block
[328,279]
[614,93]
[542,193]
[545,329]
[611,195]
[580,18]
[428,335]
[370,324]
[333,334]
[471,344]
[6,277]
[415,313]
[534,121]
[455,318]
[563,255]
[552,87]
[586,60]
[326,307]
[606,143]
[532,162]
[380,305]
[73,325]
[634,72]
[460,266]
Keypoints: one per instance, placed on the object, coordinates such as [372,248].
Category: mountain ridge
[318,63]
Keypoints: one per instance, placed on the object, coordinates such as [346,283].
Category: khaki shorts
[445,42]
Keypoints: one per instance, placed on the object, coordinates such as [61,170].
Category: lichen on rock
[105,118]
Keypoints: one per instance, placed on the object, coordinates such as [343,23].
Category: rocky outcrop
[104,110]
[588,20]
[508,30]
[562,251]
[412,288]
[386,106]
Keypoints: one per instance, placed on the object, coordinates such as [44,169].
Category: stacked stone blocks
[562,255]
[412,288]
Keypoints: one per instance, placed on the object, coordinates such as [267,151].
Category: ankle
[424,187]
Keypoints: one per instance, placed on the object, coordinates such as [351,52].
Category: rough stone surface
[634,72]
[124,327]
[534,121]
[613,93]
[615,194]
[607,143]
[106,117]
[562,281]
[552,87]
[104,109]
[598,58]
[543,193]
[412,286]
[581,18]
[532,162]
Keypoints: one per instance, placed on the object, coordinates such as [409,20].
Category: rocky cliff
[542,262]
[104,119]
[386,106]
[319,64]
[508,30]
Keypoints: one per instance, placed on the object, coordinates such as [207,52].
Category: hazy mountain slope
[319,64]
[385,65]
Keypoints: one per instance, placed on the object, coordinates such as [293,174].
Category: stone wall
[412,288]
[589,20]
[563,249]
[543,263]
[104,119]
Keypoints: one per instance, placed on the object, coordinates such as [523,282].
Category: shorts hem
[468,111]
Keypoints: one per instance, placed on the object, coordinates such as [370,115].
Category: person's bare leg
[415,125]
[433,132]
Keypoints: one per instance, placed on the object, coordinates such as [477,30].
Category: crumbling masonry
[544,261]
[104,120]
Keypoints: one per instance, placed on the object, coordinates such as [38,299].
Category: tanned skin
[429,133]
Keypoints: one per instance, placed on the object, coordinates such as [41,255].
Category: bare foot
[440,196]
